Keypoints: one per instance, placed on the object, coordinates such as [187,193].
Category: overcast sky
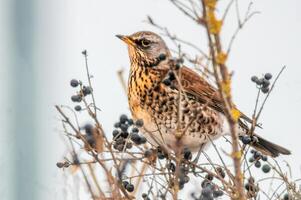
[53,34]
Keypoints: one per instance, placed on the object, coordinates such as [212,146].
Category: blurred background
[40,52]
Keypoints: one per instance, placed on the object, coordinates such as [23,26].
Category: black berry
[89,129]
[148,153]
[257,164]
[167,82]
[187,154]
[171,75]
[251,159]
[177,66]
[257,155]
[78,108]
[171,166]
[162,57]
[207,192]
[74,83]
[135,130]
[265,90]
[209,177]
[129,187]
[117,125]
[218,193]
[264,158]
[115,133]
[142,140]
[130,122]
[268,76]
[129,145]
[123,119]
[124,134]
[125,183]
[135,138]
[139,123]
[246,139]
[76,98]
[254,79]
[124,127]
[120,147]
[160,155]
[84,52]
[87,90]
[266,168]
[260,81]
[266,83]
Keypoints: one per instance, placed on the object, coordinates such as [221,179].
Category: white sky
[64,28]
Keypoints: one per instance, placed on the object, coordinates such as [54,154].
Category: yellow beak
[126,39]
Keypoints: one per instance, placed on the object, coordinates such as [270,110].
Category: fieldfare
[183,109]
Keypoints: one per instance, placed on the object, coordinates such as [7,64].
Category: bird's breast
[165,111]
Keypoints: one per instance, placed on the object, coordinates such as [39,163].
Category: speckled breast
[167,112]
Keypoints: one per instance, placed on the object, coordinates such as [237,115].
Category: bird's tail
[269,148]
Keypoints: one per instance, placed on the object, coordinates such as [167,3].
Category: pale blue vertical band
[23,101]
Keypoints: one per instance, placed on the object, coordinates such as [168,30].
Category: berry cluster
[127,133]
[161,154]
[90,137]
[247,139]
[209,190]
[251,187]
[153,154]
[84,91]
[183,175]
[263,83]
[168,81]
[175,65]
[128,186]
[256,158]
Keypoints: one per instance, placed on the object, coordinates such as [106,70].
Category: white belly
[194,141]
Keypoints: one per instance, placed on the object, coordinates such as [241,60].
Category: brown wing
[193,84]
[199,88]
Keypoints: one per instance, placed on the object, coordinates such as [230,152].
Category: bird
[179,107]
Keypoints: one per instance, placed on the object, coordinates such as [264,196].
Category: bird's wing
[196,86]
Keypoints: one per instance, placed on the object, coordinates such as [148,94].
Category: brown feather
[194,84]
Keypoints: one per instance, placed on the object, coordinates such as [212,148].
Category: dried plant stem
[220,70]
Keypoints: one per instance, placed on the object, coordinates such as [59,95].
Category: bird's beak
[128,40]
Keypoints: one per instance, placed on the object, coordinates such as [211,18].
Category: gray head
[145,47]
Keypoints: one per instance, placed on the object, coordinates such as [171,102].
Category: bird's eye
[145,43]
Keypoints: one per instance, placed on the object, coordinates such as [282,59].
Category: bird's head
[145,48]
